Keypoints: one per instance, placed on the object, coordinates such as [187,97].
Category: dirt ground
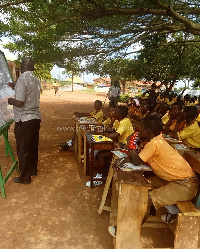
[57,211]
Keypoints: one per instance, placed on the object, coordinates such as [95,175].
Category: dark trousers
[27,138]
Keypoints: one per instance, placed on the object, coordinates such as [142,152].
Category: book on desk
[100,138]
[132,167]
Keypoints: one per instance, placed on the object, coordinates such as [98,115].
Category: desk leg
[132,206]
[86,158]
[79,146]
[91,166]
[76,137]
[106,188]
[84,153]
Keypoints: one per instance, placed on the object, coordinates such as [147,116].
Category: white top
[27,89]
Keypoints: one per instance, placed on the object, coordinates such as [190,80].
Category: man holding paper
[27,120]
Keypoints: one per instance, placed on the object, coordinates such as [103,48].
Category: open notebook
[119,154]
[131,167]
[100,138]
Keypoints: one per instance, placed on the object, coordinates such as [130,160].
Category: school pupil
[55,87]
[123,129]
[97,113]
[170,119]
[174,179]
[190,134]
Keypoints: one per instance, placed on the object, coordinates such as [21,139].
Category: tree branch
[18,2]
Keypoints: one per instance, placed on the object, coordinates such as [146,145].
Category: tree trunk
[123,86]
[72,82]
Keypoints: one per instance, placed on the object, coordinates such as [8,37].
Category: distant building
[102,80]
[138,86]
[76,80]
[14,68]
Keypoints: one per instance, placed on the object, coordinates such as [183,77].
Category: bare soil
[57,211]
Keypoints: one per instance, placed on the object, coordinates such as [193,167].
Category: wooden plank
[193,158]
[188,208]
[132,206]
[152,218]
[114,205]
[132,177]
[107,208]
[155,224]
[186,233]
[106,189]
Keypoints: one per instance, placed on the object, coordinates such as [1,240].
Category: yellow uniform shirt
[165,161]
[171,102]
[190,135]
[97,115]
[198,118]
[124,128]
[116,124]
[165,118]
[107,121]
[192,103]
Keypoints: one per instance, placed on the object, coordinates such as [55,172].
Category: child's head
[191,113]
[151,126]
[145,108]
[175,110]
[163,108]
[97,105]
[130,102]
[111,110]
[121,112]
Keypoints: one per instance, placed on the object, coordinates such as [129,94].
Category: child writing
[122,130]
[174,179]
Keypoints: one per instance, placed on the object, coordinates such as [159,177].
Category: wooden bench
[186,228]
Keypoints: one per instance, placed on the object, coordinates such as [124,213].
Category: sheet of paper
[131,167]
[119,153]
[6,113]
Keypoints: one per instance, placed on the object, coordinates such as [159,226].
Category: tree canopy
[60,31]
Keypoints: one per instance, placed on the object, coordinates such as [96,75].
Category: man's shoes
[169,218]
[34,174]
[95,183]
[18,180]
[112,230]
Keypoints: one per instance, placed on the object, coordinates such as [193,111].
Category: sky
[57,73]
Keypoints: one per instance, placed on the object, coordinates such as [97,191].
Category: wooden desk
[78,124]
[193,158]
[80,130]
[89,143]
[129,202]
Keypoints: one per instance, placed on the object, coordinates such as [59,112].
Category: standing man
[113,93]
[27,120]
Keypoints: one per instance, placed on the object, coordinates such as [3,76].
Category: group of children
[139,132]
